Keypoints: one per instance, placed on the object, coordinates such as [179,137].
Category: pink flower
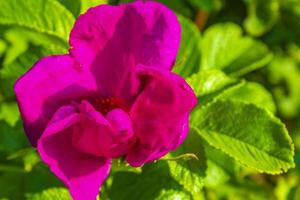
[112,96]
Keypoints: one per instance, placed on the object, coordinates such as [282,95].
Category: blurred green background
[250,40]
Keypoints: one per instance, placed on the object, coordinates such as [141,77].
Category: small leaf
[30,160]
[190,173]
[262,15]
[9,112]
[247,133]
[284,75]
[224,47]
[17,45]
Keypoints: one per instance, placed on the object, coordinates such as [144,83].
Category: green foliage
[207,5]
[284,74]
[44,16]
[189,56]
[262,15]
[74,6]
[190,172]
[247,88]
[250,92]
[209,82]
[219,167]
[224,47]
[50,194]
[155,182]
[9,113]
[2,47]
[256,138]
[16,184]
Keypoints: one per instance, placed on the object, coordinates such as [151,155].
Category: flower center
[104,105]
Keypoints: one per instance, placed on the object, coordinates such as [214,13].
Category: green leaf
[31,159]
[37,39]
[155,182]
[212,84]
[12,138]
[9,112]
[262,15]
[224,47]
[215,175]
[189,56]
[209,81]
[50,194]
[252,93]
[29,156]
[284,75]
[190,173]
[86,4]
[43,16]
[6,89]
[18,45]
[172,195]
[18,185]
[220,160]
[220,167]
[249,134]
[241,191]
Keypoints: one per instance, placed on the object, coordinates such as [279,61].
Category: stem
[201,19]
[186,156]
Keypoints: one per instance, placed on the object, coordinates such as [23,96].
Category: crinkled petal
[92,134]
[123,137]
[160,115]
[52,82]
[113,40]
[109,137]
[83,174]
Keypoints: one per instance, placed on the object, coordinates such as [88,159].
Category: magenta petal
[148,31]
[83,174]
[113,40]
[96,135]
[123,137]
[92,134]
[52,82]
[160,115]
